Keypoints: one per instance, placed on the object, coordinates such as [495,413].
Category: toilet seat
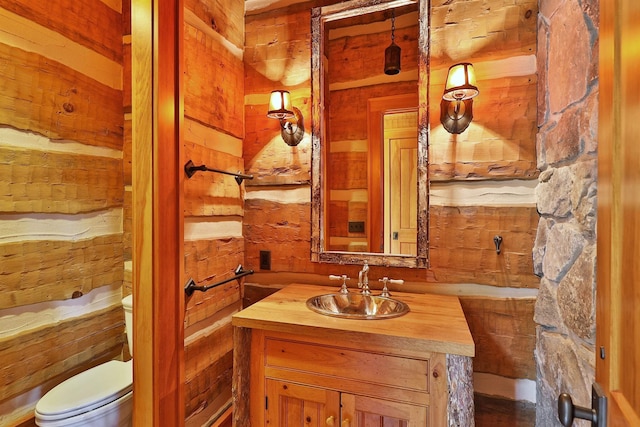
[86,391]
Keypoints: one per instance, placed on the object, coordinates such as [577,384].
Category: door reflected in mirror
[369,152]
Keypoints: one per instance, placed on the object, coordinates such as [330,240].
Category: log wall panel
[214,107]
[284,229]
[214,84]
[359,57]
[36,271]
[348,108]
[127,226]
[33,181]
[492,29]
[91,23]
[499,143]
[211,388]
[58,102]
[213,345]
[272,161]
[348,171]
[276,51]
[27,359]
[212,193]
[492,411]
[224,17]
[461,246]
[504,335]
[60,78]
[126,75]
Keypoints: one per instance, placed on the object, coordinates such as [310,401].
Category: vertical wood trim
[168,247]
[606,131]
[157,207]
[142,195]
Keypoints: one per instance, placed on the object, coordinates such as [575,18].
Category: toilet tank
[127,304]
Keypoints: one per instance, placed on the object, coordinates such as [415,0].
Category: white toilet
[99,397]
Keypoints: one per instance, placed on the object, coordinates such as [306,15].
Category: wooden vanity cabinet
[312,384]
[293,367]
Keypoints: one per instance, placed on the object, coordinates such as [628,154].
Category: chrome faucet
[363,279]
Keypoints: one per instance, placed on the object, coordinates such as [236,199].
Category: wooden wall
[482,184]
[62,198]
[214,246]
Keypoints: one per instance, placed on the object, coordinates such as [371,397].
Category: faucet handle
[344,278]
[385,280]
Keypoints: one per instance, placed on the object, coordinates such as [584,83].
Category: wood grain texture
[492,29]
[157,249]
[317,358]
[504,333]
[28,361]
[35,181]
[211,193]
[46,97]
[224,17]
[88,22]
[360,56]
[497,412]
[347,110]
[37,271]
[213,83]
[434,323]
[462,247]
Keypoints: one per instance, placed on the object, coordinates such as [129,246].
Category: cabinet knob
[329,421]
[346,422]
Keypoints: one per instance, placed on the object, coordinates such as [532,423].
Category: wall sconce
[291,120]
[456,107]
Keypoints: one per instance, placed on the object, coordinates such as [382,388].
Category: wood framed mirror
[369,165]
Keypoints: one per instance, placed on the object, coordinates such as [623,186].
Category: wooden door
[360,411]
[294,405]
[377,109]
[401,174]
[618,289]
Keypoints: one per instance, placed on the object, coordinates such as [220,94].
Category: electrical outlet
[265,260]
[356,226]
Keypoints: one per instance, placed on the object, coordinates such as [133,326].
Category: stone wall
[565,248]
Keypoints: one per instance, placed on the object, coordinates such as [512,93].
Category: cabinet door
[294,405]
[359,411]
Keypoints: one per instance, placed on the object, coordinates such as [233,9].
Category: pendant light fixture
[392,53]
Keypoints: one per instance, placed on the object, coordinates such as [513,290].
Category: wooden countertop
[435,323]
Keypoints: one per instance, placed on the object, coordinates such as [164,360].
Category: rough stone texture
[539,248]
[546,311]
[564,244]
[576,296]
[583,195]
[564,253]
[569,56]
[550,195]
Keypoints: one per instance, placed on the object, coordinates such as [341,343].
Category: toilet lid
[86,391]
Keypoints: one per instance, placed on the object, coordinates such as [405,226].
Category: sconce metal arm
[190,169]
[191,286]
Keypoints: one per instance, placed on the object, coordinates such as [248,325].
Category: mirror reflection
[369,152]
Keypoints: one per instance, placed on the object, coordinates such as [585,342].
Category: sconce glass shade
[461,83]
[280,105]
